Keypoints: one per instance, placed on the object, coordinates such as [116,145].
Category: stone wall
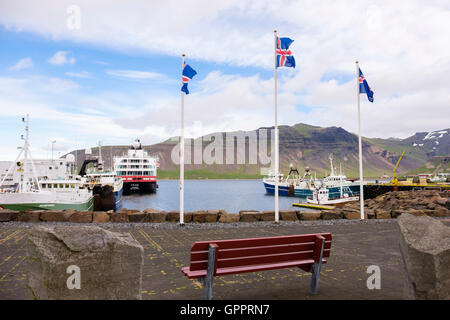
[388,206]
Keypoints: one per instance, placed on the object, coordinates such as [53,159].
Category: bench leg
[315,270]
[208,280]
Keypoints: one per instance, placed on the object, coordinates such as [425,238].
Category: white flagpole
[277,214]
[361,186]
[182,151]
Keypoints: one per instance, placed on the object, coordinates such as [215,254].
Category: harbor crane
[394,179]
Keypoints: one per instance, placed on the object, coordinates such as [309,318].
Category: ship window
[72,185]
[44,185]
[55,185]
[67,185]
[61,185]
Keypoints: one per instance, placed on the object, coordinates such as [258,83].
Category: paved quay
[355,246]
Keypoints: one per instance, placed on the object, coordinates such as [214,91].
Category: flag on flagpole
[284,55]
[364,86]
[188,74]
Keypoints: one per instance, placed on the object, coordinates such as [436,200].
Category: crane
[395,180]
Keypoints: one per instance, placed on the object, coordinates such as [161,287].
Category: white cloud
[61,58]
[82,74]
[403,49]
[24,63]
[134,74]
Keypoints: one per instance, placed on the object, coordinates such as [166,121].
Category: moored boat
[32,193]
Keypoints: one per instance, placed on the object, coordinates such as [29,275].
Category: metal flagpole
[361,187]
[277,218]
[182,151]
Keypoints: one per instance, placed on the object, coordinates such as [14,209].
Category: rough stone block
[309,215]
[119,216]
[268,215]
[8,215]
[156,216]
[288,215]
[100,217]
[138,217]
[81,217]
[331,215]
[250,216]
[54,216]
[382,214]
[204,216]
[110,264]
[229,217]
[425,248]
[29,216]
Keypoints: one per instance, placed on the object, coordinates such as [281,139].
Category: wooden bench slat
[260,267]
[253,242]
[261,250]
[257,259]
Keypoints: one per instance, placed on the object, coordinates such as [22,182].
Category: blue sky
[117,76]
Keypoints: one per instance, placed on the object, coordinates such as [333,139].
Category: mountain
[300,145]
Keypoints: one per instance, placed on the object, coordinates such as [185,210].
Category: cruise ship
[137,169]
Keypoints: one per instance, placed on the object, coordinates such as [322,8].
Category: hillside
[301,145]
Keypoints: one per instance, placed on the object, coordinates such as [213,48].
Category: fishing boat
[321,196]
[137,169]
[286,185]
[332,182]
[32,193]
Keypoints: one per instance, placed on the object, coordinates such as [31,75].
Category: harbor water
[230,195]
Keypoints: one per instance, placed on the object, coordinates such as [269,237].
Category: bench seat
[243,269]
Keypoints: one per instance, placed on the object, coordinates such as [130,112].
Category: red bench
[223,257]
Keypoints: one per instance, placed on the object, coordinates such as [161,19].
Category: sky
[109,71]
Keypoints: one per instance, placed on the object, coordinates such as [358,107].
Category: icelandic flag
[284,55]
[188,74]
[364,86]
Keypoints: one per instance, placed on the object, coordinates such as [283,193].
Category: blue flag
[364,86]
[188,74]
[284,55]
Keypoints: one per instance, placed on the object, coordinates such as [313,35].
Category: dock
[355,247]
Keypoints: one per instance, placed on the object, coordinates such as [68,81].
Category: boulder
[54,216]
[29,216]
[268,215]
[137,217]
[81,217]
[110,264]
[250,216]
[382,214]
[425,248]
[8,215]
[288,215]
[309,215]
[353,214]
[156,216]
[100,217]
[229,217]
[174,216]
[440,201]
[119,216]
[204,216]
[331,215]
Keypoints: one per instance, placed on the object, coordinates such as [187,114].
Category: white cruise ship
[138,170]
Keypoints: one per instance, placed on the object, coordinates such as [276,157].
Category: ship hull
[335,192]
[139,187]
[282,190]
[86,206]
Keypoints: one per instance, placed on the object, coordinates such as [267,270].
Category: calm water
[231,195]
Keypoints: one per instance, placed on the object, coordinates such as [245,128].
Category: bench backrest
[253,251]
